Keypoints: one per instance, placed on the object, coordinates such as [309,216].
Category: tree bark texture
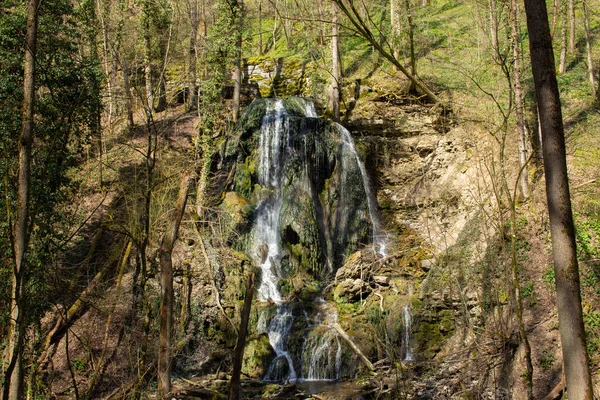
[562,229]
[166,300]
[13,377]
[234,390]
[237,73]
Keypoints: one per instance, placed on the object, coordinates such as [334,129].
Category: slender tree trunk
[128,95]
[13,376]
[166,301]
[234,390]
[555,12]
[147,57]
[334,96]
[562,67]
[395,28]
[104,13]
[354,16]
[519,103]
[411,41]
[562,229]
[260,29]
[193,54]
[494,27]
[237,73]
[571,26]
[588,47]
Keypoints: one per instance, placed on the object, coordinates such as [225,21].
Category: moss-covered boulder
[258,354]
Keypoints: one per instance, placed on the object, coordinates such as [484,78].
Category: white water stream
[322,349]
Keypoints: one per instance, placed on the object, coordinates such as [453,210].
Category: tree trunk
[395,28]
[193,54]
[147,58]
[237,73]
[562,229]
[411,41]
[13,376]
[234,390]
[562,67]
[334,95]
[588,47]
[571,26]
[494,27]
[128,95]
[519,103]
[166,299]
[555,12]
[260,29]
[363,30]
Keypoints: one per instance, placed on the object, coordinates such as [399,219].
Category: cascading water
[379,235]
[302,157]
[407,337]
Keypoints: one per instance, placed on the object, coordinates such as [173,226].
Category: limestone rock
[351,289]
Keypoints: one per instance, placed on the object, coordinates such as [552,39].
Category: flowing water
[407,349]
[379,235]
[321,354]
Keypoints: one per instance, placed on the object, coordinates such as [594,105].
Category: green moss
[258,354]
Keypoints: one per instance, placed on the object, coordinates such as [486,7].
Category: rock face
[309,207]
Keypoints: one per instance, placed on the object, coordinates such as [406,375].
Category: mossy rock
[258,354]
[236,211]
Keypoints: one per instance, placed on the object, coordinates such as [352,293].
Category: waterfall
[322,350]
[379,235]
[318,351]
[407,336]
[282,368]
[273,130]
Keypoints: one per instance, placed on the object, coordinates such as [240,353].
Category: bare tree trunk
[334,95]
[193,54]
[363,30]
[571,26]
[555,12]
[260,29]
[237,73]
[494,27]
[13,376]
[234,390]
[588,47]
[519,103]
[166,299]
[147,58]
[104,13]
[395,28]
[562,68]
[128,96]
[562,229]
[411,41]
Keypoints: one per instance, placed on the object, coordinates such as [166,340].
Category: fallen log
[354,347]
[558,389]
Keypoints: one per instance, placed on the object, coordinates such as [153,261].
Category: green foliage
[527,290]
[591,319]
[67,106]
[546,360]
[549,277]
